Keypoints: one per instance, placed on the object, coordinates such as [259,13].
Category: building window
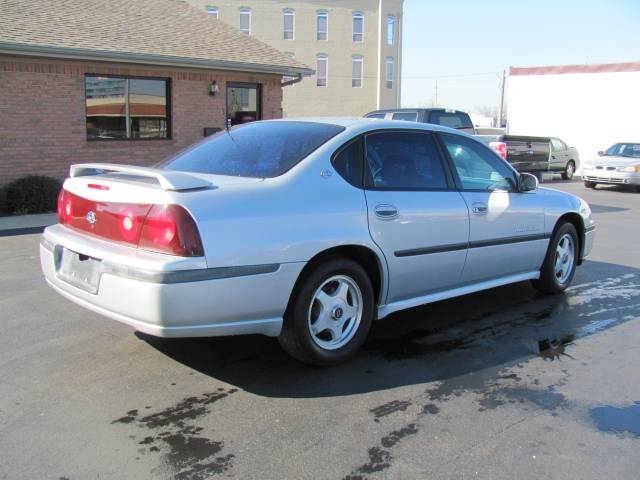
[356,71]
[244,102]
[391,29]
[289,24]
[358,27]
[213,11]
[245,21]
[389,72]
[322,70]
[288,78]
[322,21]
[127,107]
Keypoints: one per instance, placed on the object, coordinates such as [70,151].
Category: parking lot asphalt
[500,384]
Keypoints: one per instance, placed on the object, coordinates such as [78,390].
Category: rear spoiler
[167,179]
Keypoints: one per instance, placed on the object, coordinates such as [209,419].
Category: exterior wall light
[213,88]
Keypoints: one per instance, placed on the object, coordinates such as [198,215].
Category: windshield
[624,150]
[258,149]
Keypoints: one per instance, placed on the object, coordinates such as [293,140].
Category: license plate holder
[78,270]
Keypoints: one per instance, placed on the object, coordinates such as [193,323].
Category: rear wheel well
[576,220]
[362,255]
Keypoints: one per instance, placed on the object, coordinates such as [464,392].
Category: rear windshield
[407,116]
[258,149]
[451,119]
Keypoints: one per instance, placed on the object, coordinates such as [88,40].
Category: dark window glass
[121,108]
[478,167]
[348,163]
[450,119]
[407,116]
[243,103]
[404,161]
[376,115]
[260,149]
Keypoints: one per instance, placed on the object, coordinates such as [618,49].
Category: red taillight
[170,229]
[500,148]
[60,204]
[160,228]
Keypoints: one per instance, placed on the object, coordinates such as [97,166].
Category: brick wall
[43,124]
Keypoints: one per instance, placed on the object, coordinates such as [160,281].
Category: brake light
[160,228]
[500,148]
[97,186]
[170,229]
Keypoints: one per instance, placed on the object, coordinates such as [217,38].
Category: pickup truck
[437,116]
[535,154]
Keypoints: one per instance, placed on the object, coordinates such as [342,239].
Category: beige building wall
[339,97]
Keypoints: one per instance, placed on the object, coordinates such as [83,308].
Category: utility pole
[501,101]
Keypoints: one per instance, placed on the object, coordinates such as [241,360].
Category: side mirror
[527,182]
[600,153]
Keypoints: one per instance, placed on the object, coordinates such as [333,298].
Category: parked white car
[307,230]
[617,165]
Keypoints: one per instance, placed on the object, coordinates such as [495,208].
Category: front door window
[244,101]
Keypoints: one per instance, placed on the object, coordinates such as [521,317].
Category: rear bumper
[237,300]
[610,177]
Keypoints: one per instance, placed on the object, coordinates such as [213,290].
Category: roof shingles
[149,28]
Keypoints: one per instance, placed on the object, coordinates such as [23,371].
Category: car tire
[329,314]
[560,261]
[590,184]
[569,170]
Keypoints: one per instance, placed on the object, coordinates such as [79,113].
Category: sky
[462,46]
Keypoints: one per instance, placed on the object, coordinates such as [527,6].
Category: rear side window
[376,115]
[451,119]
[403,161]
[407,116]
[348,163]
[257,149]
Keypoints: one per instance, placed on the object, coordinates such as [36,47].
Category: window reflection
[126,108]
[243,103]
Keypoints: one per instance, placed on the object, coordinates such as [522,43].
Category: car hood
[615,161]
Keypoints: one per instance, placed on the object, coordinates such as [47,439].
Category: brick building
[124,82]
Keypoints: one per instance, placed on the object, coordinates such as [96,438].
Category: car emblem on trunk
[91,217]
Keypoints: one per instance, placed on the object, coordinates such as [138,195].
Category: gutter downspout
[298,79]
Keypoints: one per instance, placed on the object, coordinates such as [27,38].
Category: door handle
[479,209]
[386,212]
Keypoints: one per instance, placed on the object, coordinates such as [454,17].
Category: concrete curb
[26,224]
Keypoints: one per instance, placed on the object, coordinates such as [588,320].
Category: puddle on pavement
[623,421]
[185,449]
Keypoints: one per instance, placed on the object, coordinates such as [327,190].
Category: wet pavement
[506,383]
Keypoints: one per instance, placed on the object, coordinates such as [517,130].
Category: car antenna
[228,130]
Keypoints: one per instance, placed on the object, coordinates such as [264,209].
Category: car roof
[362,123]
[418,109]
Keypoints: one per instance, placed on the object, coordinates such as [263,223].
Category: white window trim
[213,11]
[324,57]
[360,59]
[326,15]
[353,30]
[390,61]
[395,26]
[245,10]
[291,12]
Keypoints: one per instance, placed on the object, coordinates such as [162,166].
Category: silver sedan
[307,230]
[617,165]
